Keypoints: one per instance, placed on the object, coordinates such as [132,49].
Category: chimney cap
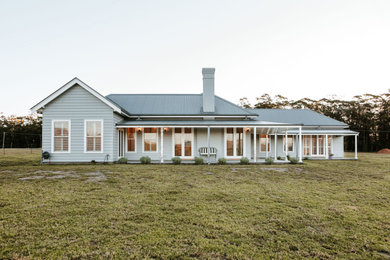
[208,70]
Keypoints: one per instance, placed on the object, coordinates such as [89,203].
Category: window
[317,145]
[131,139]
[93,135]
[306,145]
[183,138]
[290,143]
[61,136]
[150,139]
[234,141]
[263,143]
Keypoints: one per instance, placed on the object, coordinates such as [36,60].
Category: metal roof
[305,117]
[324,131]
[174,104]
[243,123]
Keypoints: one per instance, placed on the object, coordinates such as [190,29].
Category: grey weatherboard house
[80,125]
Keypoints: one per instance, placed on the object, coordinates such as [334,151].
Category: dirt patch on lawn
[385,151]
[55,175]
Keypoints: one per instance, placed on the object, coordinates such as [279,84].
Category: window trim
[235,156]
[85,135]
[284,142]
[135,140]
[69,137]
[182,143]
[143,140]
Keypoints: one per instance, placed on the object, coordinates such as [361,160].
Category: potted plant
[331,156]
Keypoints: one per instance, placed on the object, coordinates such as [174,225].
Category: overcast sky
[294,48]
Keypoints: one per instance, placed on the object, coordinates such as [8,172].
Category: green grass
[322,209]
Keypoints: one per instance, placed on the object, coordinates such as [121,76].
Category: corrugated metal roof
[174,104]
[296,116]
[200,123]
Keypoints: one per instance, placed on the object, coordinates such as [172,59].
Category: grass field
[321,209]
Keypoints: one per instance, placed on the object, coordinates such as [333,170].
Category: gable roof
[70,84]
[175,105]
[296,116]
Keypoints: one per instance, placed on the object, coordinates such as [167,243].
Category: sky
[296,48]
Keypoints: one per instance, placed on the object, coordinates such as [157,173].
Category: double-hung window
[131,139]
[150,139]
[234,142]
[93,136]
[183,139]
[61,136]
[290,143]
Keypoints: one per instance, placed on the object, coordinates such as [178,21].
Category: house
[81,125]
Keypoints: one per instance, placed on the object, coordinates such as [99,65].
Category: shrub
[221,161]
[145,159]
[269,160]
[176,160]
[199,160]
[244,160]
[122,160]
[279,158]
[93,162]
[293,160]
[288,157]
[305,158]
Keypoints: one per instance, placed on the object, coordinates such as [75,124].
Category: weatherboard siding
[77,105]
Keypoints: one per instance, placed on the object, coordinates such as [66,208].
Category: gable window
[150,139]
[131,139]
[61,136]
[263,143]
[234,141]
[183,139]
[93,135]
[290,143]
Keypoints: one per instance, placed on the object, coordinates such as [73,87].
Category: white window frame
[284,143]
[52,135]
[235,156]
[143,140]
[135,140]
[182,143]
[269,143]
[85,135]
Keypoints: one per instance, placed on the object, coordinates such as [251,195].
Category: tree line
[367,114]
[20,131]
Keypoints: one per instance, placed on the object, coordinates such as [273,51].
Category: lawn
[321,209]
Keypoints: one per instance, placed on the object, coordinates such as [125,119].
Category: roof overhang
[69,85]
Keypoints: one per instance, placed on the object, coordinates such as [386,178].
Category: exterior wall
[76,105]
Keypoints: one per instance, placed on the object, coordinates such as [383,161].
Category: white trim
[85,135]
[235,156]
[182,143]
[135,140]
[143,140]
[67,86]
[69,137]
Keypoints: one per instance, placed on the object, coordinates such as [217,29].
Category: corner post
[326,147]
[286,146]
[276,145]
[162,145]
[254,145]
[208,145]
[300,144]
[356,147]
